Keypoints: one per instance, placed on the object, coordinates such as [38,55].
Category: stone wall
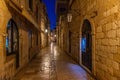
[104,17]
[25,22]
[107,41]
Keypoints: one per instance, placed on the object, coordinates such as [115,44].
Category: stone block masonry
[25,32]
[105,27]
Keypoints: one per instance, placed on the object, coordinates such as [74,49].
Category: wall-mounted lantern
[55,35]
[69,17]
[46,30]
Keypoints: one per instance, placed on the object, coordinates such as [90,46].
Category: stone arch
[91,21]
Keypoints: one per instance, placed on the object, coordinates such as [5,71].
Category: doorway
[69,41]
[86,45]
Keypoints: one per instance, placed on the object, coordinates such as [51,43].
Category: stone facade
[26,20]
[104,18]
[45,23]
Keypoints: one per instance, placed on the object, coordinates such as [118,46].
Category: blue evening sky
[50,6]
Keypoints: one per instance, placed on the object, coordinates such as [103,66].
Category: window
[83,44]
[30,39]
[40,0]
[30,4]
[62,9]
[11,38]
[37,13]
[37,40]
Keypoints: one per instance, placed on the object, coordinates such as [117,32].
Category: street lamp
[69,17]
[46,30]
[55,35]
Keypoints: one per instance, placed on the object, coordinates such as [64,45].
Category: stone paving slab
[52,64]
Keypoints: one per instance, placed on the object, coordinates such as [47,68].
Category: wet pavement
[52,64]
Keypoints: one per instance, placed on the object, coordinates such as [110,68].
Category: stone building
[89,31]
[45,23]
[20,34]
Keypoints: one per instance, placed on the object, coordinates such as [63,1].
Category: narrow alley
[52,64]
[59,39]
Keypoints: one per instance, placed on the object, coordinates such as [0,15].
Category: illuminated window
[83,44]
[11,38]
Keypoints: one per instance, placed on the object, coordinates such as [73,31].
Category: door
[86,45]
[69,42]
[15,42]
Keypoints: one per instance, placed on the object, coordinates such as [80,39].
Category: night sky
[50,6]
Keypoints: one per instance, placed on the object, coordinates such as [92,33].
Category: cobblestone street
[52,64]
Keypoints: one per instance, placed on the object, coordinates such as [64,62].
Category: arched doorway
[12,41]
[86,45]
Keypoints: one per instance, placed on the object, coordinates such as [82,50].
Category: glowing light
[55,51]
[7,42]
[55,35]
[46,30]
[52,47]
[69,17]
[83,44]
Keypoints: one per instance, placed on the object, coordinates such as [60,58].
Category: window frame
[11,38]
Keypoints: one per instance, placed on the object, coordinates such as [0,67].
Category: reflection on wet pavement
[52,64]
